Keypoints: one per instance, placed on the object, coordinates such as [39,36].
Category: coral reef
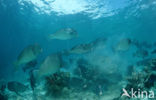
[145,80]
[57,84]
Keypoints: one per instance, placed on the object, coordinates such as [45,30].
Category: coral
[144,80]
[56,84]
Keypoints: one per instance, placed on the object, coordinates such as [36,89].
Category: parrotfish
[28,54]
[64,34]
[141,53]
[80,49]
[50,65]
[123,45]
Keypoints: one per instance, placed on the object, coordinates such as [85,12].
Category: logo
[137,94]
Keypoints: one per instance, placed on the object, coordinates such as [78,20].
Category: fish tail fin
[50,37]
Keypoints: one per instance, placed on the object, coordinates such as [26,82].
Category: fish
[50,65]
[64,34]
[30,65]
[142,44]
[123,45]
[86,47]
[17,87]
[150,62]
[141,53]
[80,49]
[144,62]
[27,55]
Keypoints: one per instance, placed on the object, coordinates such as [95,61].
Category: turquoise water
[26,22]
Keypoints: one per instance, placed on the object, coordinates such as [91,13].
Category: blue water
[24,22]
